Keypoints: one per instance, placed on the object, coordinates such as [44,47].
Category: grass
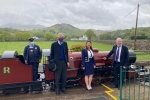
[19,47]
[143,55]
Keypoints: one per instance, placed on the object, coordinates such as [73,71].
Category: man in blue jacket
[32,56]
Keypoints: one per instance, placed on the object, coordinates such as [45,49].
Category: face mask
[32,43]
[61,39]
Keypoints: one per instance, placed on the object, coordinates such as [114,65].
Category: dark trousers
[35,66]
[61,73]
[117,67]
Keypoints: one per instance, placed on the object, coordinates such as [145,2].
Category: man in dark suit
[120,59]
[32,56]
[59,53]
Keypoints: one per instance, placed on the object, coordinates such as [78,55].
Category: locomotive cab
[15,76]
[11,64]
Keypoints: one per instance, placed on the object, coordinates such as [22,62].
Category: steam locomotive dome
[9,54]
[46,52]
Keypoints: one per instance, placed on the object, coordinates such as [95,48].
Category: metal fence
[135,84]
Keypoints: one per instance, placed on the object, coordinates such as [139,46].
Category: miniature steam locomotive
[16,76]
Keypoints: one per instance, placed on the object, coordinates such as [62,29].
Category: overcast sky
[84,14]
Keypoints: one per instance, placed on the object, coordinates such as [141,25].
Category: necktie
[91,53]
[117,54]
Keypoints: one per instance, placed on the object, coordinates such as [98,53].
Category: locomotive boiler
[102,73]
[16,76]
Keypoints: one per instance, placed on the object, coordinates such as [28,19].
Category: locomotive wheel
[24,89]
[82,81]
[96,79]
[52,86]
[107,75]
[2,92]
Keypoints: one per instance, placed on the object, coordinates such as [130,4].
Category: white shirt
[90,53]
[60,42]
[118,60]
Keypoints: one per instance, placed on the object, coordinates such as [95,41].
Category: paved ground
[99,98]
[75,93]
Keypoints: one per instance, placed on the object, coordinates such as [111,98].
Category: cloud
[97,14]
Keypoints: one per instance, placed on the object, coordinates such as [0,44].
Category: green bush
[77,47]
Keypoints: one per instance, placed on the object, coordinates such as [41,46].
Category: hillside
[72,32]
[64,28]
[22,27]
[67,29]
[9,30]
[39,30]
[142,33]
[97,32]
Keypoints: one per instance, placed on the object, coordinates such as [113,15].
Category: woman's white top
[90,53]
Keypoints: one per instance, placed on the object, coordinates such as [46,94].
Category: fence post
[121,83]
[149,85]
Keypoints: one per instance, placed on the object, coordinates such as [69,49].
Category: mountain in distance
[22,27]
[67,29]
[63,28]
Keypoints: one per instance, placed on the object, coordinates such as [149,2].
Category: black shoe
[119,87]
[64,91]
[90,90]
[114,87]
[57,92]
[86,88]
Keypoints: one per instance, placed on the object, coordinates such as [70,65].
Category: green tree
[106,36]
[19,36]
[54,37]
[48,36]
[89,33]
[37,33]
[26,35]
[6,36]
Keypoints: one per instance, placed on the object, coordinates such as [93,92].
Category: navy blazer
[124,57]
[85,57]
[55,53]
[37,52]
